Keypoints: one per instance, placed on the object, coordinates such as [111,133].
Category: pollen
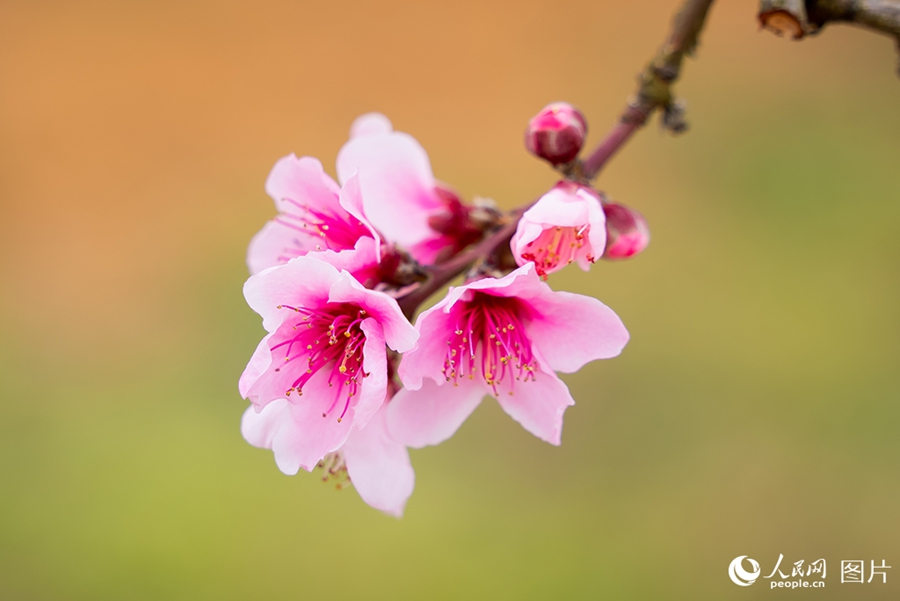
[495,346]
[556,247]
[339,362]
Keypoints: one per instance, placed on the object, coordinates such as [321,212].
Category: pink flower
[377,466]
[314,215]
[566,224]
[504,337]
[398,190]
[388,193]
[324,354]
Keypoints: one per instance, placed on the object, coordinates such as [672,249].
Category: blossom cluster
[343,382]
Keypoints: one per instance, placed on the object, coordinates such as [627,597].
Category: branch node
[784,17]
[673,117]
[655,87]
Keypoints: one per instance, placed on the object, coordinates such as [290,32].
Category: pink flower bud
[556,133]
[627,233]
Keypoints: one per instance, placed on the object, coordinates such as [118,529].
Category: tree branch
[442,273]
[784,17]
[655,89]
[802,18]
[653,93]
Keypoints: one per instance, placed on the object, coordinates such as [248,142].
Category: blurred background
[754,412]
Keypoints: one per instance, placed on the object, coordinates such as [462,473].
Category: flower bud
[556,133]
[627,233]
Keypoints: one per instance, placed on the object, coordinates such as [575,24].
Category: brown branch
[812,15]
[653,93]
[655,89]
[784,17]
[442,273]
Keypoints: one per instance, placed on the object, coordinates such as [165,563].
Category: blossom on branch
[314,215]
[565,225]
[324,352]
[338,271]
[503,337]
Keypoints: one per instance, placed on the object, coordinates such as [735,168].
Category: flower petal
[301,281]
[274,244]
[596,234]
[303,181]
[539,405]
[374,384]
[559,207]
[399,334]
[311,429]
[571,330]
[379,467]
[432,414]
[257,366]
[523,282]
[351,201]
[369,124]
[359,260]
[396,182]
[426,359]
[259,428]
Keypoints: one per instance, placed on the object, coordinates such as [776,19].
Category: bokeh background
[754,412]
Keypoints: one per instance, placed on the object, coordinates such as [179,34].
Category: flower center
[331,230]
[490,339]
[555,246]
[329,339]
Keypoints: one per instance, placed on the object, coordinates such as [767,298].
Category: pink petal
[362,257]
[351,201]
[374,386]
[559,207]
[396,182]
[539,405]
[301,180]
[268,247]
[523,282]
[301,281]
[571,330]
[427,358]
[256,368]
[431,415]
[379,467]
[298,437]
[260,428]
[305,438]
[369,124]
[596,234]
[399,334]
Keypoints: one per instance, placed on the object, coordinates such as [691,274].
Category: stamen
[495,341]
[332,229]
[334,468]
[341,358]
[556,246]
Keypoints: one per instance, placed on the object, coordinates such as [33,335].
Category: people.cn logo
[739,575]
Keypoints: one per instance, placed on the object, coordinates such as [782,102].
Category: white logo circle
[739,575]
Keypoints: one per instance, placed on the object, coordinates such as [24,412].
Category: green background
[754,412]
